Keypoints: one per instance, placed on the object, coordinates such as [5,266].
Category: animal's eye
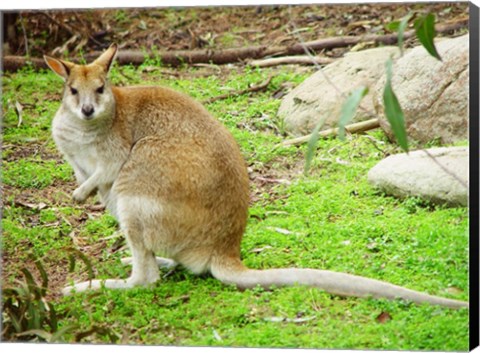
[73,90]
[100,89]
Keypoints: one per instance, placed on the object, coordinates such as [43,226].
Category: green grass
[331,219]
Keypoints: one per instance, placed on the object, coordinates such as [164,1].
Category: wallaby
[175,179]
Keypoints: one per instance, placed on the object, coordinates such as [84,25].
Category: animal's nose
[87,110]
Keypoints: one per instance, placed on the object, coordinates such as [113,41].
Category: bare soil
[80,32]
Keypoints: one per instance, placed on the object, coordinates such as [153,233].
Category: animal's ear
[60,67]
[106,59]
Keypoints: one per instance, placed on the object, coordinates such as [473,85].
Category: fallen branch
[288,60]
[257,88]
[388,39]
[225,56]
[14,63]
[352,128]
[176,58]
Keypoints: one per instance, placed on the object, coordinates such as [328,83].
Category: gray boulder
[433,94]
[441,181]
[317,97]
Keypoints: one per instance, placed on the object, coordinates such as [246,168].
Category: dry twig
[256,88]
[287,60]
[352,128]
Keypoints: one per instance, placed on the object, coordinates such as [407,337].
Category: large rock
[317,97]
[417,174]
[433,94]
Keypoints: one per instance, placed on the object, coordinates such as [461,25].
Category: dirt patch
[54,268]
[15,152]
[207,27]
[266,178]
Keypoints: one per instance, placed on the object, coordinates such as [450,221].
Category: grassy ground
[331,219]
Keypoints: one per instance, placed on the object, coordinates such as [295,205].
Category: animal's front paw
[79,195]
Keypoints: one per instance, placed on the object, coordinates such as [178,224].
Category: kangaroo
[175,179]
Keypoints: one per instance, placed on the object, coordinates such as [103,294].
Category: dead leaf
[117,245]
[142,25]
[297,320]
[96,208]
[454,290]
[53,224]
[65,47]
[383,317]
[184,298]
[274,181]
[280,230]
[216,335]
[79,242]
[268,213]
[259,250]
[373,246]
[32,206]
[341,161]
[19,111]
[363,24]
[362,45]
[150,69]
[274,319]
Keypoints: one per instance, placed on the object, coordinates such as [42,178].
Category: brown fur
[192,166]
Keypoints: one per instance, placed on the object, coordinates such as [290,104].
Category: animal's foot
[161,262]
[97,284]
[82,287]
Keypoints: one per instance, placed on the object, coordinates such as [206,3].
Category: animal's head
[87,94]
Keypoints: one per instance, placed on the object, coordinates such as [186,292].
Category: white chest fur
[79,143]
[95,153]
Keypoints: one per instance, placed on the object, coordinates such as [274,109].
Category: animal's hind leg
[144,267]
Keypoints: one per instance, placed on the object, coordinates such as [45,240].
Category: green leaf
[349,108]
[53,322]
[44,276]
[393,110]
[425,31]
[393,26]
[86,261]
[16,322]
[32,286]
[71,262]
[37,332]
[58,335]
[312,144]
[401,30]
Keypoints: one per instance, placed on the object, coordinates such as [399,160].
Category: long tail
[234,272]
